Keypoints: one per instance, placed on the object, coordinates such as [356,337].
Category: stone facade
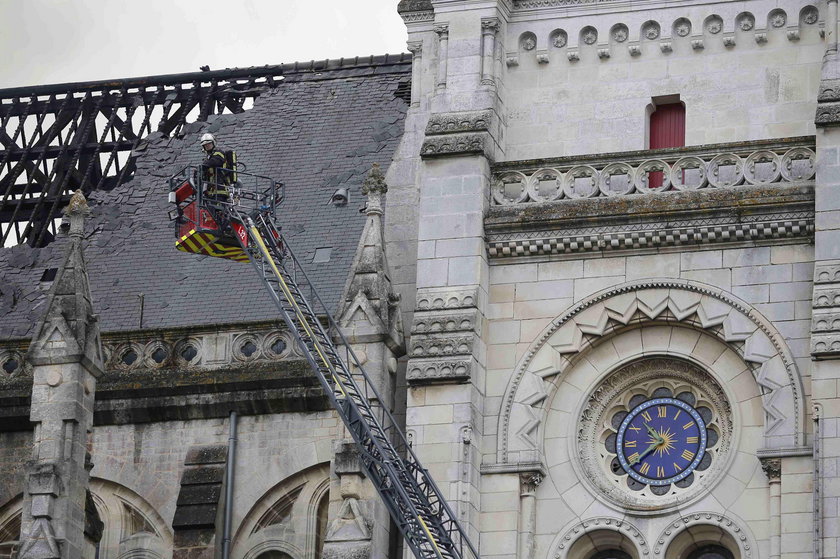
[526,152]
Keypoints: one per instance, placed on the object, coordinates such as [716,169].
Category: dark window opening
[711,552]
[49,274]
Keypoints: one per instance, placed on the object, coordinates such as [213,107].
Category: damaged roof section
[315,132]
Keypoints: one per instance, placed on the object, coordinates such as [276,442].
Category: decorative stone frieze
[416,11]
[697,168]
[687,233]
[199,350]
[459,133]
[427,371]
[446,331]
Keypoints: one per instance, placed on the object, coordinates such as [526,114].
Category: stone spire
[369,310]
[66,359]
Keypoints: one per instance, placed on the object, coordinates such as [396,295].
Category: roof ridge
[277,70]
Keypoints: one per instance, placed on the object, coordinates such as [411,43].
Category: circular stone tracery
[617,404]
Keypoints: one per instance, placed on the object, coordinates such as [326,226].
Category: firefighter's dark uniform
[216,180]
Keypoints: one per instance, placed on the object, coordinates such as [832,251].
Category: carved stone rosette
[444,336]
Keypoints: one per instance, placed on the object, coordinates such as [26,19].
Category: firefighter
[216,174]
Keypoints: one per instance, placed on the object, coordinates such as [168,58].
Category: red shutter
[667,130]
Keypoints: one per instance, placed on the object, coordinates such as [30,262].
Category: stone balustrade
[655,172]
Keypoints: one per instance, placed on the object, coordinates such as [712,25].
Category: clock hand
[653,433]
[647,451]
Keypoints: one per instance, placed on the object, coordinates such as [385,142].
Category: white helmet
[207,138]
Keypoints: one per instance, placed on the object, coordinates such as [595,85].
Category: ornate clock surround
[648,378]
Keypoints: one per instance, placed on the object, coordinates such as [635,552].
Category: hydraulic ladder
[414,501]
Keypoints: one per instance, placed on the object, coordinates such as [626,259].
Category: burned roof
[315,131]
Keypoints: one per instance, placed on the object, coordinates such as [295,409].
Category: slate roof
[314,132]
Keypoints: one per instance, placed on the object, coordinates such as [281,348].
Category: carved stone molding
[828,114]
[457,144]
[736,529]
[687,234]
[825,320]
[445,330]
[452,123]
[423,371]
[695,305]
[579,529]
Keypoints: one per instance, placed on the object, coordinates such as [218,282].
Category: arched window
[711,552]
[274,555]
[10,536]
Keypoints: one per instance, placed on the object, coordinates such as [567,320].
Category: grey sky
[54,41]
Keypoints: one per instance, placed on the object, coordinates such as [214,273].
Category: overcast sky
[56,41]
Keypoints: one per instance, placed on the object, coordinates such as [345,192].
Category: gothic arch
[687,304]
[133,528]
[291,530]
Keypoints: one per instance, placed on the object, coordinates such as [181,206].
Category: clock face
[654,434]
[661,441]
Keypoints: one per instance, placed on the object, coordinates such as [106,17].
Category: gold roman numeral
[688,425]
[678,414]
[663,411]
[691,440]
[644,469]
[630,444]
[687,455]
[677,468]
[636,429]
[633,457]
[646,415]
[660,472]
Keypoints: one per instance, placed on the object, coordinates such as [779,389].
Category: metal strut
[414,501]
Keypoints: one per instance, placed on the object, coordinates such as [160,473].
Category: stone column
[442,31]
[416,50]
[489,27]
[66,360]
[773,470]
[825,325]
[528,483]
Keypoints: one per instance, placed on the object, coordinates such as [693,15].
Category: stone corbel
[761,37]
[793,34]
[542,57]
[604,53]
[697,44]
[665,46]
[512,59]
[729,41]
[572,55]
[634,50]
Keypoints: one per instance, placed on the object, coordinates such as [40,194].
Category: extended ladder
[414,501]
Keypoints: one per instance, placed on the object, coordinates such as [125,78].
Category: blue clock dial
[661,441]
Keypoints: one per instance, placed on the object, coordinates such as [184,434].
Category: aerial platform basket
[202,225]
